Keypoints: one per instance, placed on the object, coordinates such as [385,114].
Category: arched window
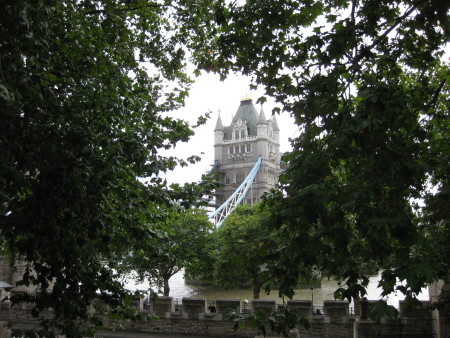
[240,177]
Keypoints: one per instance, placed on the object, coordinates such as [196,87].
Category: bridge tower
[237,148]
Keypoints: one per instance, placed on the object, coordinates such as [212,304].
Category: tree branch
[130,9]
[395,24]
[436,94]
[377,41]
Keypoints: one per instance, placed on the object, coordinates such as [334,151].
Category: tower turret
[219,131]
[262,124]
[238,147]
[275,140]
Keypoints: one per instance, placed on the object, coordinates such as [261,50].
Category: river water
[179,289]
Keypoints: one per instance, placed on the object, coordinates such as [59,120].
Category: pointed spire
[262,117]
[275,123]
[219,124]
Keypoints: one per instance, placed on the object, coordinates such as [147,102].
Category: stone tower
[238,146]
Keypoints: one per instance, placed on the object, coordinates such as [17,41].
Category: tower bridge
[246,159]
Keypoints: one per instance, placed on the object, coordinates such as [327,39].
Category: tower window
[240,178]
[236,134]
[242,133]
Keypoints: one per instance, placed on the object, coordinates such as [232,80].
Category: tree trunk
[256,289]
[166,286]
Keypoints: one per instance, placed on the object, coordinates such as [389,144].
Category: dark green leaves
[84,91]
[368,86]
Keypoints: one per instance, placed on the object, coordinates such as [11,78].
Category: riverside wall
[192,317]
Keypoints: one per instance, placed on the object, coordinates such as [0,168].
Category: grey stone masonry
[193,307]
[5,270]
[370,305]
[416,318]
[301,307]
[364,328]
[225,305]
[336,310]
[263,305]
[161,306]
[237,148]
[419,311]
[139,303]
[193,320]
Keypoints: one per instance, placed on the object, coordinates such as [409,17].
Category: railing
[211,306]
[351,311]
[177,302]
[248,138]
[246,307]
[317,310]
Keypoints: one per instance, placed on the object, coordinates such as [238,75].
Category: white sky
[210,94]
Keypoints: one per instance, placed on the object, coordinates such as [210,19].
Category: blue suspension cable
[233,201]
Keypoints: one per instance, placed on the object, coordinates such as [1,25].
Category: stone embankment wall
[192,316]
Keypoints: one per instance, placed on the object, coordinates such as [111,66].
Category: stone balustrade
[267,306]
[162,306]
[336,311]
[421,310]
[225,305]
[193,307]
[301,307]
[192,316]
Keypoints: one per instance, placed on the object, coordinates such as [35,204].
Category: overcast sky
[210,94]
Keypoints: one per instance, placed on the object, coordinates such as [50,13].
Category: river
[179,289]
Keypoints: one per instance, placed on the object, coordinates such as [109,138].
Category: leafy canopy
[241,250]
[84,91]
[368,85]
[181,242]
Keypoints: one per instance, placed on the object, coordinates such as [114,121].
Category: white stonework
[238,146]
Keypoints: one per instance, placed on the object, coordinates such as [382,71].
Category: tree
[180,244]
[243,247]
[84,91]
[369,88]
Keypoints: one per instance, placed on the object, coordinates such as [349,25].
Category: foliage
[180,243]
[381,308]
[281,321]
[84,88]
[368,86]
[243,249]
[84,91]
[443,302]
